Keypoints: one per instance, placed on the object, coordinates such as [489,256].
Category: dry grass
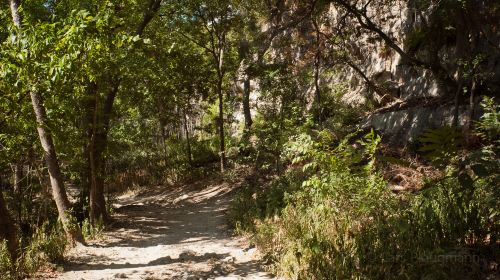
[405,171]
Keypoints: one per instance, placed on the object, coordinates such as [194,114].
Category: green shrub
[489,125]
[47,244]
[91,232]
[6,267]
[331,216]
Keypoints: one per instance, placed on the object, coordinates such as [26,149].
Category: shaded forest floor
[168,233]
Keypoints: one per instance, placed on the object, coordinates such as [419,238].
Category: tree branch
[149,13]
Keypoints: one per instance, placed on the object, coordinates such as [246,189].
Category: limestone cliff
[464,43]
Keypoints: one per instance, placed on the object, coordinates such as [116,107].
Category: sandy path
[179,233]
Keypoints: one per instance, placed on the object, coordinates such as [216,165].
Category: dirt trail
[176,233]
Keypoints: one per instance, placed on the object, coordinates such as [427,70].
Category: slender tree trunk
[458,94]
[88,104]
[222,144]
[85,182]
[14,9]
[8,229]
[18,188]
[188,140]
[317,91]
[163,140]
[371,85]
[56,179]
[462,35]
[469,126]
[16,18]
[219,59]
[246,102]
[317,66]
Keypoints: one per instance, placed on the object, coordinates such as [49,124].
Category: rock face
[407,125]
[416,52]
[408,25]
[383,65]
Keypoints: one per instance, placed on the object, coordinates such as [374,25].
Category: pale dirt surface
[168,233]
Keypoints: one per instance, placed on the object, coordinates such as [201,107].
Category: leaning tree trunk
[8,229]
[56,179]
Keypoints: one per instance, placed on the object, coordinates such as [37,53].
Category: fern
[440,145]
[489,125]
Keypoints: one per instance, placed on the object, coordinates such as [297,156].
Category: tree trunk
[14,9]
[219,59]
[98,145]
[317,66]
[222,144]
[8,229]
[469,125]
[88,104]
[458,94]
[18,188]
[163,139]
[246,103]
[100,127]
[188,140]
[462,37]
[56,179]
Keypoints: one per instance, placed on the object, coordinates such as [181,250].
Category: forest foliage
[97,97]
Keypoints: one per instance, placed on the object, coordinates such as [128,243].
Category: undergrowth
[47,244]
[332,216]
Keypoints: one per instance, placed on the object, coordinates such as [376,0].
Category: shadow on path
[167,234]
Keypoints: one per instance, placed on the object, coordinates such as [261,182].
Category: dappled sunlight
[176,239]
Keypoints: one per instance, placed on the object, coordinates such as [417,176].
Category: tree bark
[97,147]
[14,9]
[149,13]
[188,141]
[246,102]
[88,103]
[99,139]
[317,66]
[222,144]
[461,48]
[219,60]
[56,179]
[163,140]
[8,229]
[18,188]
